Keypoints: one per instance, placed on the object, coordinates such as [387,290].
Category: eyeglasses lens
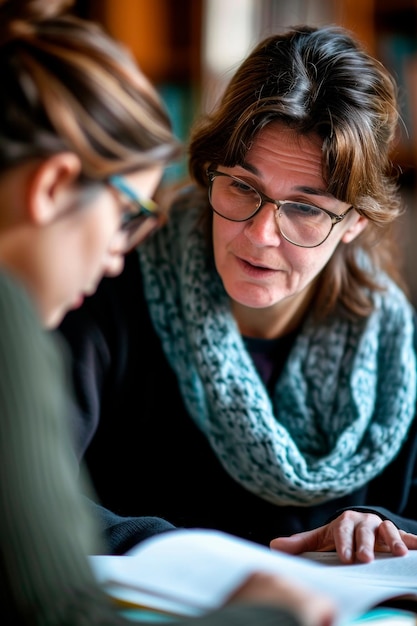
[140,227]
[301,224]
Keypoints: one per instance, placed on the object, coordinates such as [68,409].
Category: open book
[191,572]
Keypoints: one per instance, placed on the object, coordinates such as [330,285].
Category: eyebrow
[311,191]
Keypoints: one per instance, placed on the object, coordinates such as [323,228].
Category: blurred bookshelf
[175,42]
[164,37]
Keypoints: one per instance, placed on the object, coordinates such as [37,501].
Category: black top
[147,456]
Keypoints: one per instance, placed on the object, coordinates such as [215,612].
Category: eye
[241,188]
[127,212]
[301,210]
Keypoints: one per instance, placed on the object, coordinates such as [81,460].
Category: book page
[197,570]
[384,570]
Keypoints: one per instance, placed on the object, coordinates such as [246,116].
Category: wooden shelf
[388,29]
[165,37]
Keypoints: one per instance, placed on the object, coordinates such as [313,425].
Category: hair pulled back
[67,85]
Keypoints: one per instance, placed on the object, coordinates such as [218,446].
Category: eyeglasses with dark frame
[302,224]
[142,215]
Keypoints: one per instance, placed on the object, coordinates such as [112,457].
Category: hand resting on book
[354,535]
[310,607]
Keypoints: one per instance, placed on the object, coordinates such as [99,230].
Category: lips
[256,264]
[255,270]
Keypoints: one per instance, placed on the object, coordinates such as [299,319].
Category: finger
[309,541]
[344,536]
[365,543]
[389,539]
[295,544]
[373,534]
[409,539]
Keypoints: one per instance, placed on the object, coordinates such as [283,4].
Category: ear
[355,229]
[50,189]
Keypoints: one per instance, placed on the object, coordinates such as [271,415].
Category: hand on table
[354,535]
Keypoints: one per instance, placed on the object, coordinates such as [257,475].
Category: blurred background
[189,48]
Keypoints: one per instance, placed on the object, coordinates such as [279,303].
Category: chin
[252,301]
[54,318]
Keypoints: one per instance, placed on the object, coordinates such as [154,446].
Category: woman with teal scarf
[278,391]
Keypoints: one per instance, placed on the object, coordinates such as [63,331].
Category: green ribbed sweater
[45,532]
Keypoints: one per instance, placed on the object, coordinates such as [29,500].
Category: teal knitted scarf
[341,408]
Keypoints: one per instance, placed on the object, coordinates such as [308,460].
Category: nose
[114,261]
[262,228]
[114,265]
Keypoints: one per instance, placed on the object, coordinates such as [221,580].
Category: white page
[200,568]
[384,570]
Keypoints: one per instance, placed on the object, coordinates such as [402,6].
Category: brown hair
[67,85]
[320,80]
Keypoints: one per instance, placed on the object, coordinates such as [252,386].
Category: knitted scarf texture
[341,408]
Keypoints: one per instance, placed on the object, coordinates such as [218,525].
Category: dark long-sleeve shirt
[146,455]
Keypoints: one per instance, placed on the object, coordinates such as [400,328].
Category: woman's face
[59,239]
[258,267]
[95,246]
